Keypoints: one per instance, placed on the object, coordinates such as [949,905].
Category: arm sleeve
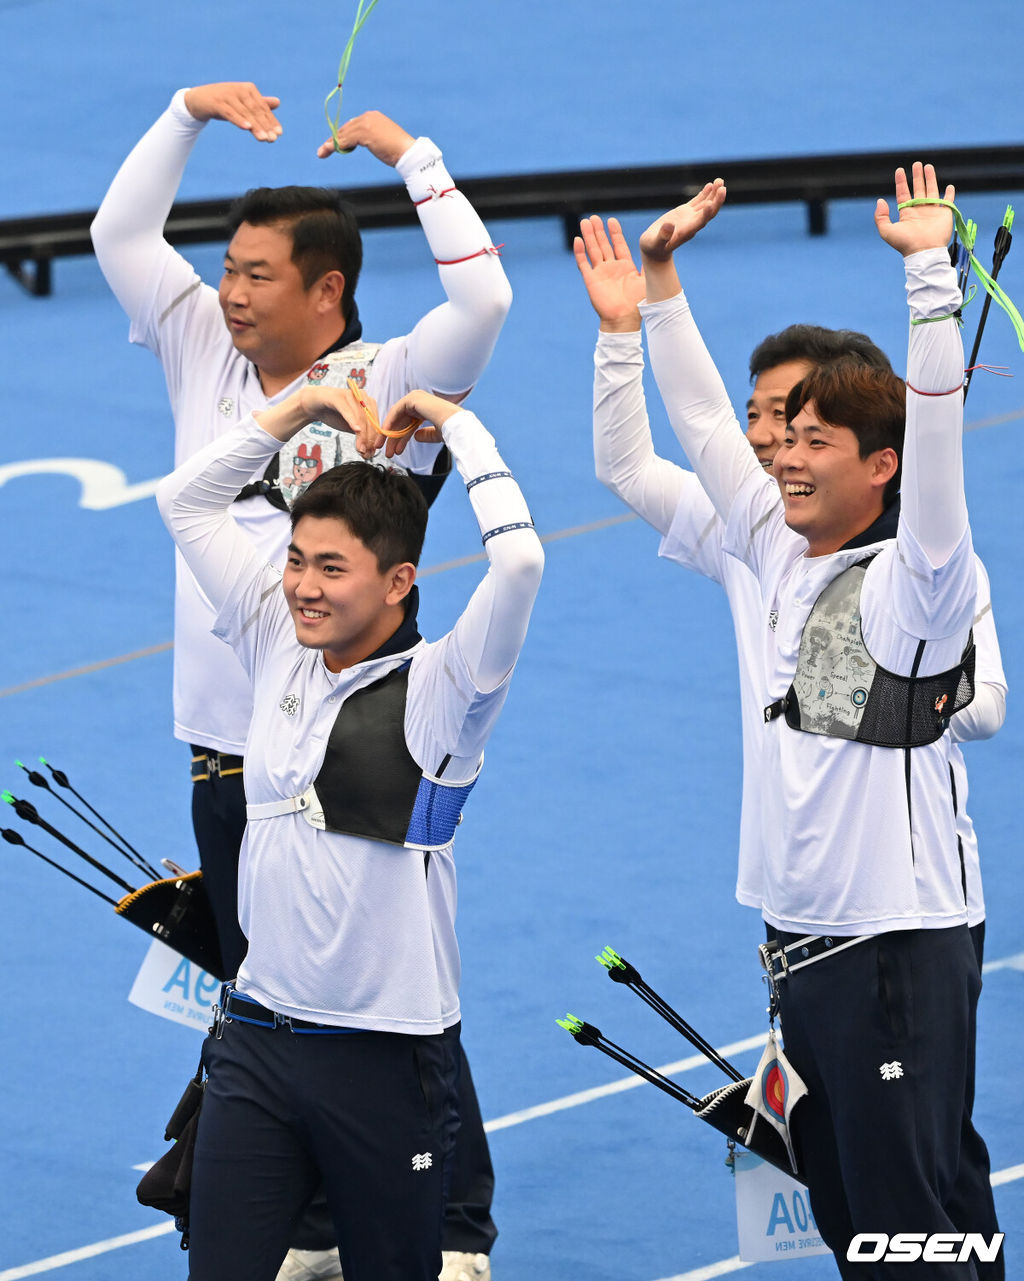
[195,503]
[984,716]
[933,506]
[450,346]
[491,630]
[697,404]
[127,232]
[624,457]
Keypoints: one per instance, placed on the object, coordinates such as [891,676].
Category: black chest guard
[369,784]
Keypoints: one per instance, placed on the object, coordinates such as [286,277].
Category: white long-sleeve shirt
[671,500]
[212,387]
[344,930]
[849,846]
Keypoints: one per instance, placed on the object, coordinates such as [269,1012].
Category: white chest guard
[839,690]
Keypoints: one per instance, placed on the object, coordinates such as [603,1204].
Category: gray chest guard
[840,691]
[316,448]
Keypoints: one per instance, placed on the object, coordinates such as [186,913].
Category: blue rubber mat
[608,811]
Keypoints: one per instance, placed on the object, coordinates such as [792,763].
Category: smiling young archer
[863,645]
[365,742]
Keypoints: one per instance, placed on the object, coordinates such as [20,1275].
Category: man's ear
[400,580]
[885,465]
[330,289]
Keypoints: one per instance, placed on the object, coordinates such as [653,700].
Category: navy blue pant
[218,820]
[370,1116]
[882,1035]
[971,1199]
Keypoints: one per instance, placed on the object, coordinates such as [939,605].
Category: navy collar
[879,530]
[352,332]
[406,635]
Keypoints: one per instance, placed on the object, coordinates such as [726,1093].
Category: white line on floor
[86,1252]
[615,1087]
[719,1269]
[567,1101]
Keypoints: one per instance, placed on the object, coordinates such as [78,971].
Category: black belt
[243,1009]
[780,961]
[205,764]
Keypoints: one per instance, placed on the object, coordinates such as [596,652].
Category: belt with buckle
[207,764]
[780,961]
[236,1007]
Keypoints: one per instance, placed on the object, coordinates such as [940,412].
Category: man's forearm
[932,493]
[195,502]
[661,277]
[127,231]
[493,626]
[624,457]
[450,347]
[697,404]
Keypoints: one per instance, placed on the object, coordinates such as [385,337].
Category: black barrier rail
[29,245]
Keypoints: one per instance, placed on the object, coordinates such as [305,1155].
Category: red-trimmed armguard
[487,249]
[434,195]
[958,387]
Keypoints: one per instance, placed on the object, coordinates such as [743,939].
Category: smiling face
[273,319]
[340,600]
[766,408]
[830,494]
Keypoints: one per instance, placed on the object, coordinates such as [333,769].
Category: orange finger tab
[356,391]
[398,435]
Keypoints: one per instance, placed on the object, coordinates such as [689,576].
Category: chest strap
[290,805]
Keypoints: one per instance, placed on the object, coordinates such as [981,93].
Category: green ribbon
[363,11]
[991,287]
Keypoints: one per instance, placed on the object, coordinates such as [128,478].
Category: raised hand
[338,407]
[664,236]
[238,102]
[373,130]
[348,410]
[921,226]
[613,284]
[404,419]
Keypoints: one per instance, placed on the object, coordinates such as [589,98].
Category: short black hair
[872,402]
[818,346]
[325,234]
[382,507]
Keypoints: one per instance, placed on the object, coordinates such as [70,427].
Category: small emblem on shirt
[289,704]
[422,1161]
[941,702]
[358,376]
[859,697]
[773,619]
[226,405]
[891,1071]
[318,373]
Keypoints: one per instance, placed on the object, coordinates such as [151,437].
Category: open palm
[613,284]
[919,226]
[681,224]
